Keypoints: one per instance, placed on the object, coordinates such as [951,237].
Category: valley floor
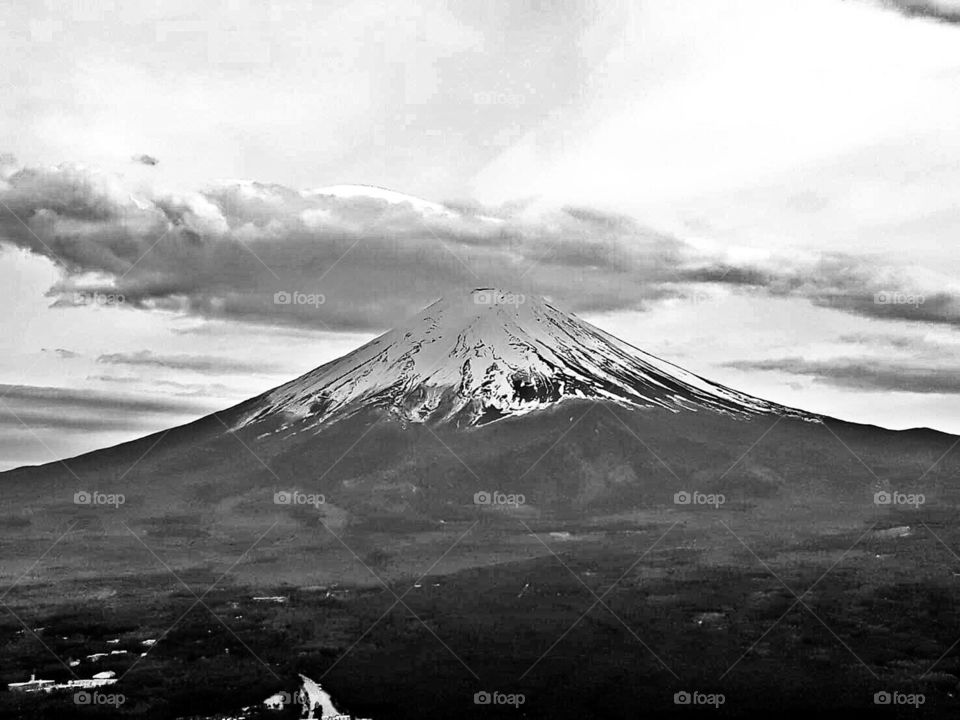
[632,615]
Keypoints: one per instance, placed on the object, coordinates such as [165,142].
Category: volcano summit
[487,355]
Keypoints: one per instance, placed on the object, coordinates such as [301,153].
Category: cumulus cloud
[362,260]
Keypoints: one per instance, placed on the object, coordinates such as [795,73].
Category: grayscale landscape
[542,360]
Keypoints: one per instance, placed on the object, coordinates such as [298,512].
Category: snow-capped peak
[490,354]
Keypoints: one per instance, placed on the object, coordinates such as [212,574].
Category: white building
[34,685]
[31,685]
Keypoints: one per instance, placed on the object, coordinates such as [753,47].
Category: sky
[761,191]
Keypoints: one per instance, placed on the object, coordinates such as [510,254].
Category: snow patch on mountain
[488,355]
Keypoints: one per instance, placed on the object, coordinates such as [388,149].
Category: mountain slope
[488,355]
[471,397]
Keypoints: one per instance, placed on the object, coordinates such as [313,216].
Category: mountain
[484,392]
[489,355]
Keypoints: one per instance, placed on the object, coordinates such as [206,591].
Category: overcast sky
[762,191]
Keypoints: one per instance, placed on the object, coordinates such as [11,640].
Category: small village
[100,679]
[315,702]
[35,684]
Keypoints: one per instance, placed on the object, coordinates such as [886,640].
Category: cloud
[208,364]
[145,159]
[947,11]
[869,374]
[836,280]
[203,390]
[362,261]
[878,339]
[71,409]
[943,347]
[62,353]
